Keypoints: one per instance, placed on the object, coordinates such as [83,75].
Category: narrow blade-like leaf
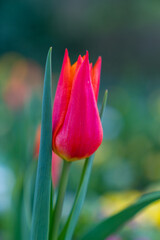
[108,226]
[69,227]
[40,219]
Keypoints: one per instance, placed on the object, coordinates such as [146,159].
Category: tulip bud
[77,129]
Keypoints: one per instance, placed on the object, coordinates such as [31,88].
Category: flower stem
[60,199]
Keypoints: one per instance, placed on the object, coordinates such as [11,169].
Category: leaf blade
[40,219]
[108,226]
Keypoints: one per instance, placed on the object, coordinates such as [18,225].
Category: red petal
[96,73]
[76,65]
[62,95]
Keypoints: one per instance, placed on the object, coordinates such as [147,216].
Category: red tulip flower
[77,129]
[56,160]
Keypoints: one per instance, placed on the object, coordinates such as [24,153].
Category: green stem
[60,199]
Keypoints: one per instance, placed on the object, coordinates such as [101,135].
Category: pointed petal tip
[79,58]
[66,57]
[99,59]
[87,54]
[86,59]
[66,52]
[79,61]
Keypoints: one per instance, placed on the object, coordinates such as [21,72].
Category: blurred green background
[126,34]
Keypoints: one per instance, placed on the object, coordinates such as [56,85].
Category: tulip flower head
[77,129]
[56,160]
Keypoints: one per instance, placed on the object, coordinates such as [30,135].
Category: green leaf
[108,226]
[69,227]
[41,208]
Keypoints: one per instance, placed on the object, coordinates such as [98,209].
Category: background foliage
[126,34]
